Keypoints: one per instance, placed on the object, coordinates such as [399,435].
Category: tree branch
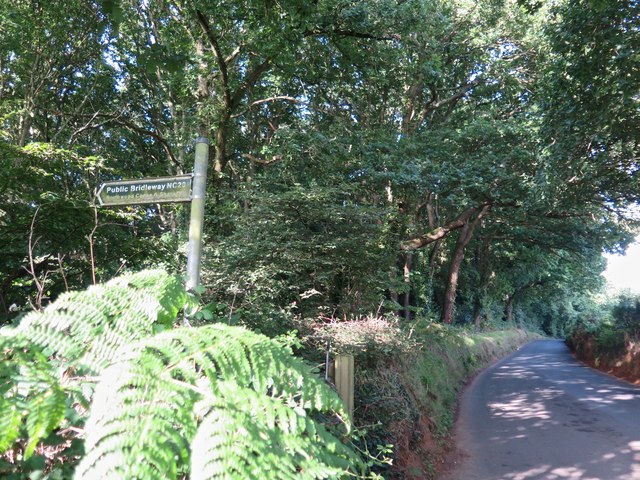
[434,105]
[217,51]
[251,78]
[122,121]
[155,135]
[267,100]
[351,33]
[274,159]
[441,232]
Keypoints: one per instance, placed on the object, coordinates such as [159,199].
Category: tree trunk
[246,205]
[454,270]
[1,77]
[393,278]
[406,274]
[433,256]
[466,233]
[508,310]
[477,312]
[220,158]
[24,127]
[483,267]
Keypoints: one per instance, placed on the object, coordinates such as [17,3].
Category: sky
[623,272]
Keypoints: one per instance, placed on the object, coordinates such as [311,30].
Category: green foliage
[608,331]
[403,116]
[50,357]
[33,401]
[610,340]
[239,403]
[615,312]
[310,248]
[626,314]
[51,234]
[595,69]
[86,329]
[217,401]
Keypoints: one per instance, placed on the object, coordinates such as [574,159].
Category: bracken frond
[82,333]
[214,402]
[231,400]
[87,328]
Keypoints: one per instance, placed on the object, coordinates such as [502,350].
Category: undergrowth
[103,384]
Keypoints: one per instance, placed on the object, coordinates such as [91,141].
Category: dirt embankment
[623,361]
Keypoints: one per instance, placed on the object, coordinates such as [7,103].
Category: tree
[592,115]
[439,131]
[51,69]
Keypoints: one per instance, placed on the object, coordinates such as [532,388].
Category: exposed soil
[624,364]
[429,458]
[419,456]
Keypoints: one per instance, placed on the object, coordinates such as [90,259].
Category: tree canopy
[466,161]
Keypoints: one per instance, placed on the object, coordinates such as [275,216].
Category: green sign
[146,190]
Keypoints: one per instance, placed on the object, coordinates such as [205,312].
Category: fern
[88,328]
[255,435]
[215,402]
[234,399]
[80,333]
[30,394]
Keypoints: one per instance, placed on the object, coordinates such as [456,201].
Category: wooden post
[344,372]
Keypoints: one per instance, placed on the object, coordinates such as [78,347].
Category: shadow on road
[541,415]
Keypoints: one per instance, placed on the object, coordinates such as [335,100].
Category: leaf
[114,10]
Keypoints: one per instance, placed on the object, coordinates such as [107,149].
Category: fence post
[344,376]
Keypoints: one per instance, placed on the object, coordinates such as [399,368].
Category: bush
[610,340]
[626,314]
[369,338]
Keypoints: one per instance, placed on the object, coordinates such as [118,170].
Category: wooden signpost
[344,380]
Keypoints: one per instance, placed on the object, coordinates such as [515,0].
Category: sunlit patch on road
[520,407]
[531,473]
[570,473]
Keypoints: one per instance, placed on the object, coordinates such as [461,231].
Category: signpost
[146,190]
[170,190]
[197,213]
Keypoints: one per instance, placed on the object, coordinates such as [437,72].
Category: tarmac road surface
[541,415]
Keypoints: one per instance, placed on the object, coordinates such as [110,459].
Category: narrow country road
[539,414]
